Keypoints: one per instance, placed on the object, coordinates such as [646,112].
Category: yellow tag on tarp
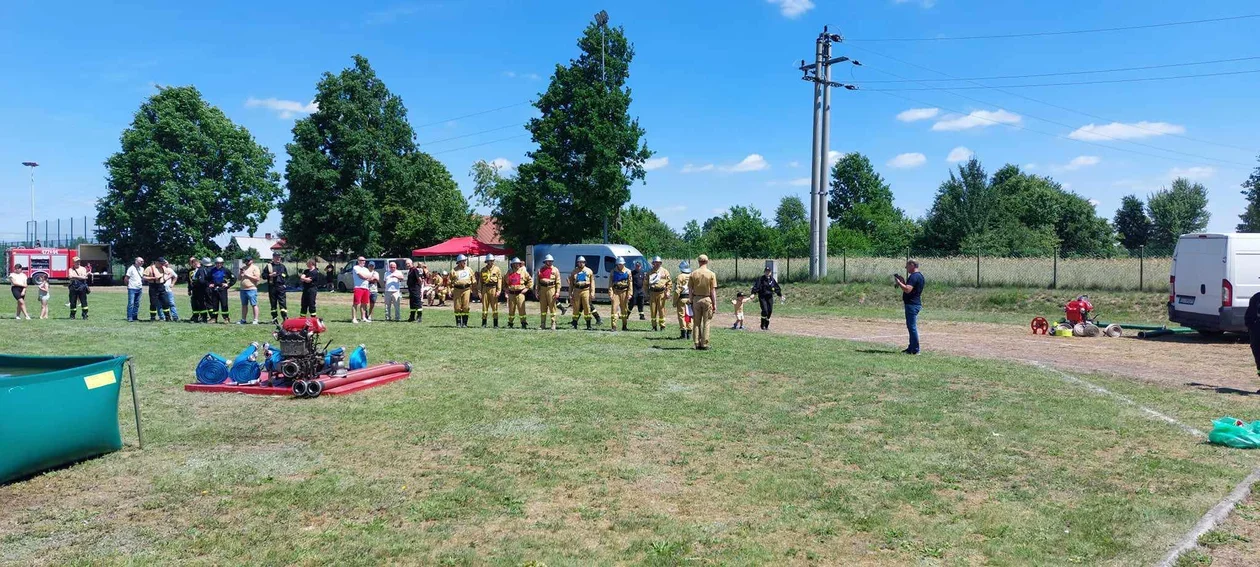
[97,380]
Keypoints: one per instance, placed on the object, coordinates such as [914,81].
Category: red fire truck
[54,263]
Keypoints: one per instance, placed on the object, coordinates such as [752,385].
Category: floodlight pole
[33,227]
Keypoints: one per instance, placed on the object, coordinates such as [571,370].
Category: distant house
[488,232]
[265,245]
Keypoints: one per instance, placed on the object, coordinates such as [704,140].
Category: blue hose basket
[213,369]
[246,368]
[358,358]
[328,356]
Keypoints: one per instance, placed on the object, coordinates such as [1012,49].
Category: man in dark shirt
[275,275]
[310,288]
[1252,319]
[765,288]
[911,290]
[637,278]
[415,290]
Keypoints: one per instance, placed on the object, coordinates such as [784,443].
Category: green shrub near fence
[1146,274]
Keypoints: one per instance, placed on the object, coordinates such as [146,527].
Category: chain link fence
[1115,274]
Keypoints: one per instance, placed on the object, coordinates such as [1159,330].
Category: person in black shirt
[310,287]
[637,279]
[274,274]
[330,277]
[416,276]
[911,290]
[765,288]
[1252,319]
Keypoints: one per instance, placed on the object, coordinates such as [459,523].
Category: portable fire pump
[301,356]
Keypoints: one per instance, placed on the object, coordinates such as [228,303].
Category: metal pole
[824,160]
[135,400]
[737,267]
[844,265]
[59,233]
[1141,266]
[1054,281]
[33,193]
[977,267]
[815,181]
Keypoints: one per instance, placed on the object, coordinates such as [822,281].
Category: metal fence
[1135,273]
[56,233]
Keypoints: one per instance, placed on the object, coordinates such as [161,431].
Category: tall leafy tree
[963,213]
[642,228]
[185,174]
[1251,215]
[1178,209]
[1132,224]
[356,182]
[792,224]
[589,148]
[790,212]
[741,232]
[860,204]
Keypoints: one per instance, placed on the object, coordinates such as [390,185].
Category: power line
[1066,73]
[431,142]
[1071,83]
[479,145]
[444,121]
[1083,113]
[1056,33]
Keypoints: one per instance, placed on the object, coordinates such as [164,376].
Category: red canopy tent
[460,245]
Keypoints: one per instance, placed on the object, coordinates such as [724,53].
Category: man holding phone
[911,290]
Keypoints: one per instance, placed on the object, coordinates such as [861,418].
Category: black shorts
[18,292]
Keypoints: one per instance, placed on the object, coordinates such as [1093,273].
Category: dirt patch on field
[1169,361]
[1236,542]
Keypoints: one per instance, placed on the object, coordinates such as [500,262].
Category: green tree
[642,229]
[963,213]
[356,182]
[791,212]
[1176,210]
[1132,223]
[185,174]
[861,201]
[792,224]
[589,149]
[741,232]
[1251,214]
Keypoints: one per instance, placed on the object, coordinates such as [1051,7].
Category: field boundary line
[1126,400]
[1209,520]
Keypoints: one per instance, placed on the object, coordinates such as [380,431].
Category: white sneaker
[367,319]
[354,320]
[17,317]
[28,317]
[255,322]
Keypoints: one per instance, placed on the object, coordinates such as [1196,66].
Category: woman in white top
[393,292]
[17,284]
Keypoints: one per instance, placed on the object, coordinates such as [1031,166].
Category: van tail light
[1172,288]
[1227,294]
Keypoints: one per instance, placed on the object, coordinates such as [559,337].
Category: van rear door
[1199,268]
[1245,277]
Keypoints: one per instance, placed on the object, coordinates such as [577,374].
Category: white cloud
[721,211]
[691,168]
[832,157]
[915,114]
[284,108]
[1192,173]
[1093,202]
[961,153]
[904,161]
[794,164]
[514,74]
[1122,131]
[977,119]
[793,8]
[799,182]
[1029,166]
[754,162]
[655,163]
[672,209]
[502,164]
[1079,162]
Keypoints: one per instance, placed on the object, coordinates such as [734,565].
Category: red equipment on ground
[1078,310]
[297,324]
[1040,326]
[353,381]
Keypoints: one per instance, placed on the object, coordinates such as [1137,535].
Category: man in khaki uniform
[658,292]
[682,300]
[581,288]
[491,279]
[518,281]
[461,290]
[619,291]
[548,292]
[704,285]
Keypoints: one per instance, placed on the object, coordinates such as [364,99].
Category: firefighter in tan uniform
[518,282]
[682,300]
[703,301]
[491,280]
[658,292]
[619,285]
[581,290]
[548,292]
[461,290]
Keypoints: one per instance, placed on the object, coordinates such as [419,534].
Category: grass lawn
[575,448]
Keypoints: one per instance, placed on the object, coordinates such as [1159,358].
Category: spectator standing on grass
[703,284]
[374,289]
[168,284]
[394,279]
[17,285]
[911,290]
[765,288]
[276,275]
[417,277]
[638,278]
[43,298]
[310,288]
[135,289]
[249,279]
[362,277]
[79,276]
[330,277]
[153,277]
[1252,319]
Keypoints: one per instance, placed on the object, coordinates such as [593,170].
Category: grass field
[1133,274]
[514,447]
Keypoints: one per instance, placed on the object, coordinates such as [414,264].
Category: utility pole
[819,73]
[32,226]
[602,20]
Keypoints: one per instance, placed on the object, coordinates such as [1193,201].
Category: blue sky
[714,85]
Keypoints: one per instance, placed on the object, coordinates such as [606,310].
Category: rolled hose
[354,376]
[299,388]
[213,369]
[246,367]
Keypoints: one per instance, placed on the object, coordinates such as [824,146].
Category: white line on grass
[1126,400]
[1213,517]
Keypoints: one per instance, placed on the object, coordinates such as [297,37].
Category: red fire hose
[313,388]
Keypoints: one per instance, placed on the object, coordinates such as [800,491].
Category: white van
[1213,277]
[600,258]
